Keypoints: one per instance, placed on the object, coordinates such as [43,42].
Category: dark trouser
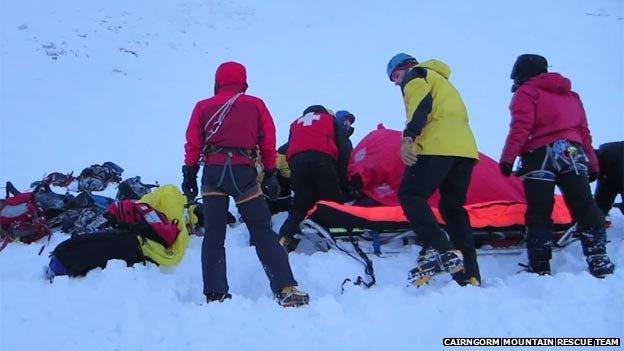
[313,177]
[284,201]
[611,181]
[451,175]
[605,194]
[240,184]
[539,188]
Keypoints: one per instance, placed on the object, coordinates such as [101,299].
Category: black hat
[315,108]
[527,66]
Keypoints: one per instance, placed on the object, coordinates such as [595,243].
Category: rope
[220,115]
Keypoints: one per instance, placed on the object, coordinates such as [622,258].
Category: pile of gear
[29,216]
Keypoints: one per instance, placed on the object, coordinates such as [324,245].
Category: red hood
[231,76]
[553,82]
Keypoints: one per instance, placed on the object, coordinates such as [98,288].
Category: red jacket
[313,132]
[247,125]
[543,110]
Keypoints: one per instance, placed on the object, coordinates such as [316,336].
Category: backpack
[56,179]
[80,254]
[21,218]
[143,219]
[87,200]
[79,221]
[133,189]
[84,214]
[97,177]
[51,203]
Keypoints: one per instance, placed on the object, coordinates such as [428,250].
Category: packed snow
[88,82]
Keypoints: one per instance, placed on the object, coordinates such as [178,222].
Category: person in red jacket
[318,155]
[224,132]
[549,132]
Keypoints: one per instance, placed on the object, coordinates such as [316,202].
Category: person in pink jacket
[549,133]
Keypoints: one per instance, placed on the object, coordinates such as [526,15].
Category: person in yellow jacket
[439,152]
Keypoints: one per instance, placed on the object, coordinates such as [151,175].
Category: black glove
[593,176]
[505,168]
[189,184]
[270,185]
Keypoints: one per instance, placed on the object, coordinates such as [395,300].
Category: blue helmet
[342,115]
[397,60]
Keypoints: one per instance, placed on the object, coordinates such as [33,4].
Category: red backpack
[156,225]
[21,218]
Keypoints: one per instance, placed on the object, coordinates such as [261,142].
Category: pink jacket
[543,110]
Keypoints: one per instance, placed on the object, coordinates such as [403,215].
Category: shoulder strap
[11,190]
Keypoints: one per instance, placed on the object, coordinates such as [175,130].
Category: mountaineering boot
[463,280]
[471,281]
[290,296]
[594,242]
[452,261]
[431,263]
[600,265]
[539,250]
[427,265]
[217,297]
[539,267]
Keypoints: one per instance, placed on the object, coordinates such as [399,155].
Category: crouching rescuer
[226,130]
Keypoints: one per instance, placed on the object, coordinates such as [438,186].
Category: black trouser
[540,177]
[606,191]
[284,201]
[313,177]
[611,180]
[451,175]
[242,185]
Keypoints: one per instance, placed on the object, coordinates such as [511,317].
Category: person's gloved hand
[270,185]
[593,176]
[505,168]
[189,183]
[408,156]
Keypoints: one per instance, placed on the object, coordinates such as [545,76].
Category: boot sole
[456,269]
[602,275]
[294,304]
[422,280]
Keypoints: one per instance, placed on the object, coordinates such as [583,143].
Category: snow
[87,82]
[152,308]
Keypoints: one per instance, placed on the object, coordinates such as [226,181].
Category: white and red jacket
[313,132]
[247,125]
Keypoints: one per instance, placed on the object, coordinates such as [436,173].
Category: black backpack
[97,177]
[80,254]
[133,189]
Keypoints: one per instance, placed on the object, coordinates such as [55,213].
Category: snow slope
[87,82]
[152,308]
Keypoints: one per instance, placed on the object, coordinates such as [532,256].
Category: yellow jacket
[282,166]
[436,115]
[168,200]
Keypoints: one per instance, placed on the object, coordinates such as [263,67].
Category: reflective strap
[540,174]
[11,211]
[213,193]
[250,197]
